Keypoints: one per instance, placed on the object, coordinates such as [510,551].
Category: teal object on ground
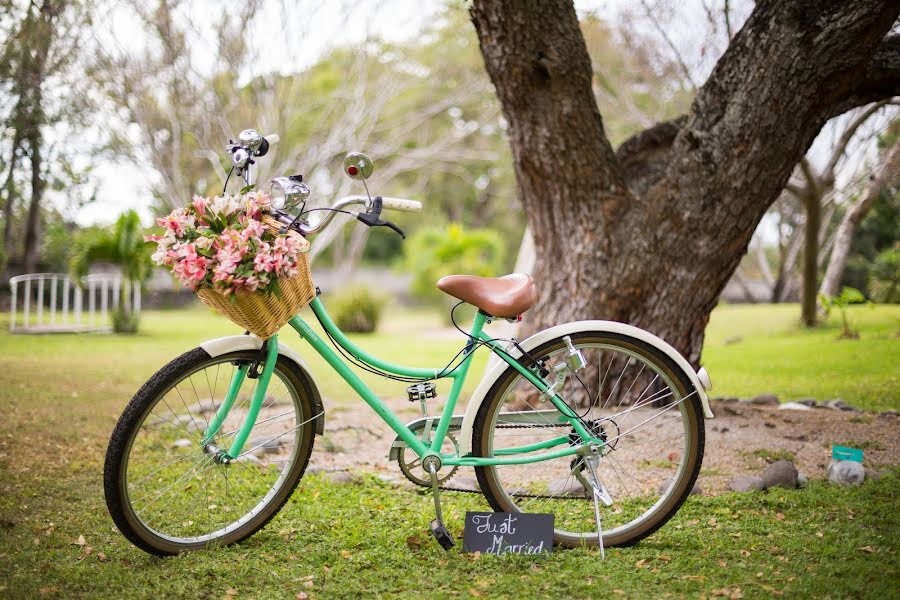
[844,453]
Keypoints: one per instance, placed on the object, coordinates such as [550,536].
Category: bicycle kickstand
[599,493]
[438,530]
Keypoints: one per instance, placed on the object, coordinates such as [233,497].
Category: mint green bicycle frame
[506,456]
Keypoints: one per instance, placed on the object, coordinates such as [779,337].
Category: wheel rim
[641,409]
[177,492]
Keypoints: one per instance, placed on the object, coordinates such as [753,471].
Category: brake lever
[372,220]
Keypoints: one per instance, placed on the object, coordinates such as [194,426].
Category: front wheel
[167,492]
[630,395]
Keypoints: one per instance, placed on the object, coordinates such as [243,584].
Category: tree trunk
[813,205]
[9,188]
[886,175]
[33,220]
[660,259]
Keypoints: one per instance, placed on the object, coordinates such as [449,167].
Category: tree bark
[813,206]
[886,175]
[657,254]
[33,220]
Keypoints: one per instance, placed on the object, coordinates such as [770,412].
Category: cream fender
[700,380]
[233,343]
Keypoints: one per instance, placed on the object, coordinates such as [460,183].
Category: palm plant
[124,245]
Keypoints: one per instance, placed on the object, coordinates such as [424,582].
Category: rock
[726,399]
[780,473]
[839,404]
[794,406]
[874,475]
[570,487]
[765,400]
[264,446]
[810,402]
[342,477]
[802,481]
[183,443]
[888,413]
[665,483]
[746,483]
[846,472]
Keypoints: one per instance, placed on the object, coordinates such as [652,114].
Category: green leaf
[247,188]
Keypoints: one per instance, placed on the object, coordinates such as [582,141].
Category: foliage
[884,276]
[847,297]
[434,252]
[356,309]
[221,243]
[123,246]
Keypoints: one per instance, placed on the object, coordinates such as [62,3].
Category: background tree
[657,251]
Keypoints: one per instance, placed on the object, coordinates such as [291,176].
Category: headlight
[287,193]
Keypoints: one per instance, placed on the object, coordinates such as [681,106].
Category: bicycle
[597,422]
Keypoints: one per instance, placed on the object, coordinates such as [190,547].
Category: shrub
[356,309]
[884,277]
[434,252]
[125,322]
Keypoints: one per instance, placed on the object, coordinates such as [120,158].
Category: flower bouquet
[232,254]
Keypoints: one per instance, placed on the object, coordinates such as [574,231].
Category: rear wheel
[632,396]
[167,493]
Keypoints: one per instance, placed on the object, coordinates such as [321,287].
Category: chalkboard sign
[508,533]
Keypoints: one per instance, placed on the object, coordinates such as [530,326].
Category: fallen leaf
[414,542]
[87,550]
[620,592]
[868,549]
[345,553]
[664,558]
[779,516]
[721,592]
[694,577]
[722,563]
[820,534]
[477,593]
[640,564]
[101,557]
[736,594]
[712,522]
[231,592]
[301,596]
[37,541]
[476,555]
[745,553]
[80,541]
[308,584]
[327,569]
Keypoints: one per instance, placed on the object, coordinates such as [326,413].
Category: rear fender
[701,383]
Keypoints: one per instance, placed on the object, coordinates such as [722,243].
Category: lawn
[60,396]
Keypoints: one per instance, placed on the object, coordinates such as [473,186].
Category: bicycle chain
[445,488]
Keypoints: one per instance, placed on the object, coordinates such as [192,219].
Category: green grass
[758,349]
[61,395]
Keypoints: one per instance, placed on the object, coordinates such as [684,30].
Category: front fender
[700,383]
[234,343]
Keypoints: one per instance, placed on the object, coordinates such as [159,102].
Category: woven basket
[264,314]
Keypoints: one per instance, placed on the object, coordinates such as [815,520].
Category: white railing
[50,302]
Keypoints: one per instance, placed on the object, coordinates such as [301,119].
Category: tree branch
[841,145]
[881,79]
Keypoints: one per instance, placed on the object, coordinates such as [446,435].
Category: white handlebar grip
[401,204]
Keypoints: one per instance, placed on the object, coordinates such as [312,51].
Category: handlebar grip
[401,204]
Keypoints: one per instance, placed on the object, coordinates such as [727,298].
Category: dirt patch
[741,440]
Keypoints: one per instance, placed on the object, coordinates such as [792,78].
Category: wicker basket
[264,314]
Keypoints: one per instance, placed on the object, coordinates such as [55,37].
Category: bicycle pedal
[441,534]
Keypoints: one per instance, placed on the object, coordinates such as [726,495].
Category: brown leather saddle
[507,297]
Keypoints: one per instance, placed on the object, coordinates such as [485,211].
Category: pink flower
[200,205]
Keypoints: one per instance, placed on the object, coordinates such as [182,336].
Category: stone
[802,480]
[781,473]
[874,475]
[839,404]
[765,400]
[264,446]
[793,406]
[889,413]
[846,472]
[810,402]
[727,399]
[746,483]
[204,406]
[665,483]
[342,477]
[569,487]
[183,443]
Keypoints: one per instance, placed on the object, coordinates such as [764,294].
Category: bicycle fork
[268,356]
